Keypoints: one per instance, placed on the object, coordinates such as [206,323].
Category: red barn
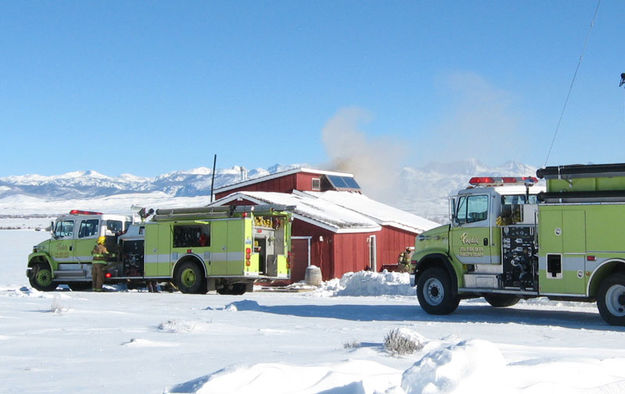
[335,226]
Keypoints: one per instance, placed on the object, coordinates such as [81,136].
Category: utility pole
[213,177]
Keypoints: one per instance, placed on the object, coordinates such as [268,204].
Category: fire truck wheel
[41,277]
[435,293]
[611,299]
[189,278]
[501,300]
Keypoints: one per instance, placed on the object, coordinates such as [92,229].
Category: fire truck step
[69,273]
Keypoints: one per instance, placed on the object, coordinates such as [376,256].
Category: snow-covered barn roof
[381,213]
[319,212]
[338,211]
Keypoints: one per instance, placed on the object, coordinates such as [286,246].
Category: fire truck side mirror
[452,210]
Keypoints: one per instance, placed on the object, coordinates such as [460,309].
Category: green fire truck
[225,249]
[508,241]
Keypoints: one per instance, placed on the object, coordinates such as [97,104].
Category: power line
[579,63]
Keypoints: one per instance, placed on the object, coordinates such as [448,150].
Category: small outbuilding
[335,227]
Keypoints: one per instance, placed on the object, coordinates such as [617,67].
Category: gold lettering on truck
[472,248]
[468,240]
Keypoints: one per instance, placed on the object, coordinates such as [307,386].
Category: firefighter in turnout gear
[403,262]
[100,255]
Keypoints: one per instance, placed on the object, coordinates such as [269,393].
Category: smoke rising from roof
[479,125]
[374,161]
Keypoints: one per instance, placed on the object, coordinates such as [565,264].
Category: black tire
[239,288]
[233,289]
[435,292]
[79,286]
[611,299]
[41,277]
[501,300]
[190,278]
[224,291]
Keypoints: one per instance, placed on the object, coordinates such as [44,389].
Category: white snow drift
[330,340]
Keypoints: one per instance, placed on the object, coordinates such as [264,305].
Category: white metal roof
[339,211]
[312,210]
[381,213]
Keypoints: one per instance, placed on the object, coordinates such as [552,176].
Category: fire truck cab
[66,257]
[226,249]
[564,242]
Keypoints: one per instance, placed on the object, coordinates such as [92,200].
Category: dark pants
[97,275]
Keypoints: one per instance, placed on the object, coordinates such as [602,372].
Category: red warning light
[500,181]
[80,212]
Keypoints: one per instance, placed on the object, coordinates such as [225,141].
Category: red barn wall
[304,181]
[351,253]
[241,202]
[284,184]
[320,251]
[391,242]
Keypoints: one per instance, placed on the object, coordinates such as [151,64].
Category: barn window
[316,184]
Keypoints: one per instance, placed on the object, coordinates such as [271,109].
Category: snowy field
[330,340]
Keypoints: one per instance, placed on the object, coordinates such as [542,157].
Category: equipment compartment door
[165,263]
[236,247]
[152,250]
[562,260]
[219,248]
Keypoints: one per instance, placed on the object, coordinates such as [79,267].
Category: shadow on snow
[464,314]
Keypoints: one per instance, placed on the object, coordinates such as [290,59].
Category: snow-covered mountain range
[91,184]
[425,190]
[422,191]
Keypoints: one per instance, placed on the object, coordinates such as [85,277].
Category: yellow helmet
[101,240]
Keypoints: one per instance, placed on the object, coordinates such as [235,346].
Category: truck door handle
[485,241]
[71,248]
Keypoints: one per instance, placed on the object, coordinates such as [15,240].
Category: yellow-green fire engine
[507,241]
[198,249]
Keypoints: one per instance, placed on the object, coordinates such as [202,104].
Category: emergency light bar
[502,181]
[79,212]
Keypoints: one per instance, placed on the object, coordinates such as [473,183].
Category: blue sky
[151,87]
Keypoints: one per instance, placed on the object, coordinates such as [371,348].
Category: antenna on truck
[568,95]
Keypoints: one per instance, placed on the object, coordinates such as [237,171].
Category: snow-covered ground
[330,340]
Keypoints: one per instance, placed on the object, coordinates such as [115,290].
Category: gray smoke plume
[481,124]
[374,161]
